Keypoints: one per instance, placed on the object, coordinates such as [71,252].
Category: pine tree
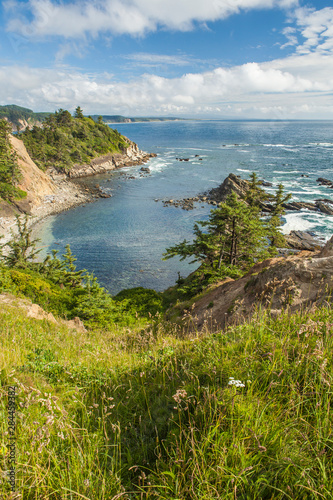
[78,113]
[235,237]
[275,221]
[255,195]
[22,248]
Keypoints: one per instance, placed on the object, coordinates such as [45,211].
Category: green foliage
[235,238]
[15,114]
[141,301]
[275,220]
[9,170]
[59,287]
[65,140]
[22,248]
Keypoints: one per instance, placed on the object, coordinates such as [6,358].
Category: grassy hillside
[65,140]
[150,413]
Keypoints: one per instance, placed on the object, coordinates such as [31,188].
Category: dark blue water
[122,238]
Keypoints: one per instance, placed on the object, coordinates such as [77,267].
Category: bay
[121,239]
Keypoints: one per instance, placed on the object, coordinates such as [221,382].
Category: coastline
[54,192]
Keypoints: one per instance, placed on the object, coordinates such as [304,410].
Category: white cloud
[294,87]
[316,27]
[150,60]
[134,17]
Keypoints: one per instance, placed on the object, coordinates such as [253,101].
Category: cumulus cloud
[133,17]
[249,88]
[316,28]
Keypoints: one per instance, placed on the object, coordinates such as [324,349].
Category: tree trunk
[233,242]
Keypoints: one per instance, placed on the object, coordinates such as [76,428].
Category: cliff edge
[292,283]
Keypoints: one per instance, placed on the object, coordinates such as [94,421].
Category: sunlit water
[122,238]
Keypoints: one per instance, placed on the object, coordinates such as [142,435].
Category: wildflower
[86,482]
[236,383]
[180,394]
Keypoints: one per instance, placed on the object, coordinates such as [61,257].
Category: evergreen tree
[275,221]
[78,113]
[256,195]
[235,237]
[9,170]
[72,277]
[22,248]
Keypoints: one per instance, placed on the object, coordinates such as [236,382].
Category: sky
[213,59]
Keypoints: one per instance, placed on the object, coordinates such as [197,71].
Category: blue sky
[189,58]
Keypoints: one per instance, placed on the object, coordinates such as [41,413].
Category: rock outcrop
[36,312]
[302,240]
[234,183]
[291,284]
[131,156]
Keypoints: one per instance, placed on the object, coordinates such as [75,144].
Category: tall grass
[150,413]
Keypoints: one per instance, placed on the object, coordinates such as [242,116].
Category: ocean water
[121,239]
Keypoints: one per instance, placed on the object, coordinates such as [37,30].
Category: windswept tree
[256,194]
[232,239]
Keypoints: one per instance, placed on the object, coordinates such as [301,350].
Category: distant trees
[78,113]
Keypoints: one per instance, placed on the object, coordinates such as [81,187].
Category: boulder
[324,182]
[302,240]
[232,183]
[324,207]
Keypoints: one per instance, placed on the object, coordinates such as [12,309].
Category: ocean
[121,239]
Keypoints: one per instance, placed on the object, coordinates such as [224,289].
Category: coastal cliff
[53,191]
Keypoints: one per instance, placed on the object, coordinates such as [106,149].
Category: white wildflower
[236,383]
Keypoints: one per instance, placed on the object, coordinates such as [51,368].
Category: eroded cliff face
[36,183]
[290,283]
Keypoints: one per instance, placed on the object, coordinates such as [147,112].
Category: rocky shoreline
[52,192]
[297,240]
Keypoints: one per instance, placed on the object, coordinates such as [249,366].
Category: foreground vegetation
[154,413]
[150,411]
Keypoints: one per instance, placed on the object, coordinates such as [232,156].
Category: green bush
[141,301]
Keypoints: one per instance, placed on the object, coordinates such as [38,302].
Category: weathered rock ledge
[290,284]
[131,156]
[234,183]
